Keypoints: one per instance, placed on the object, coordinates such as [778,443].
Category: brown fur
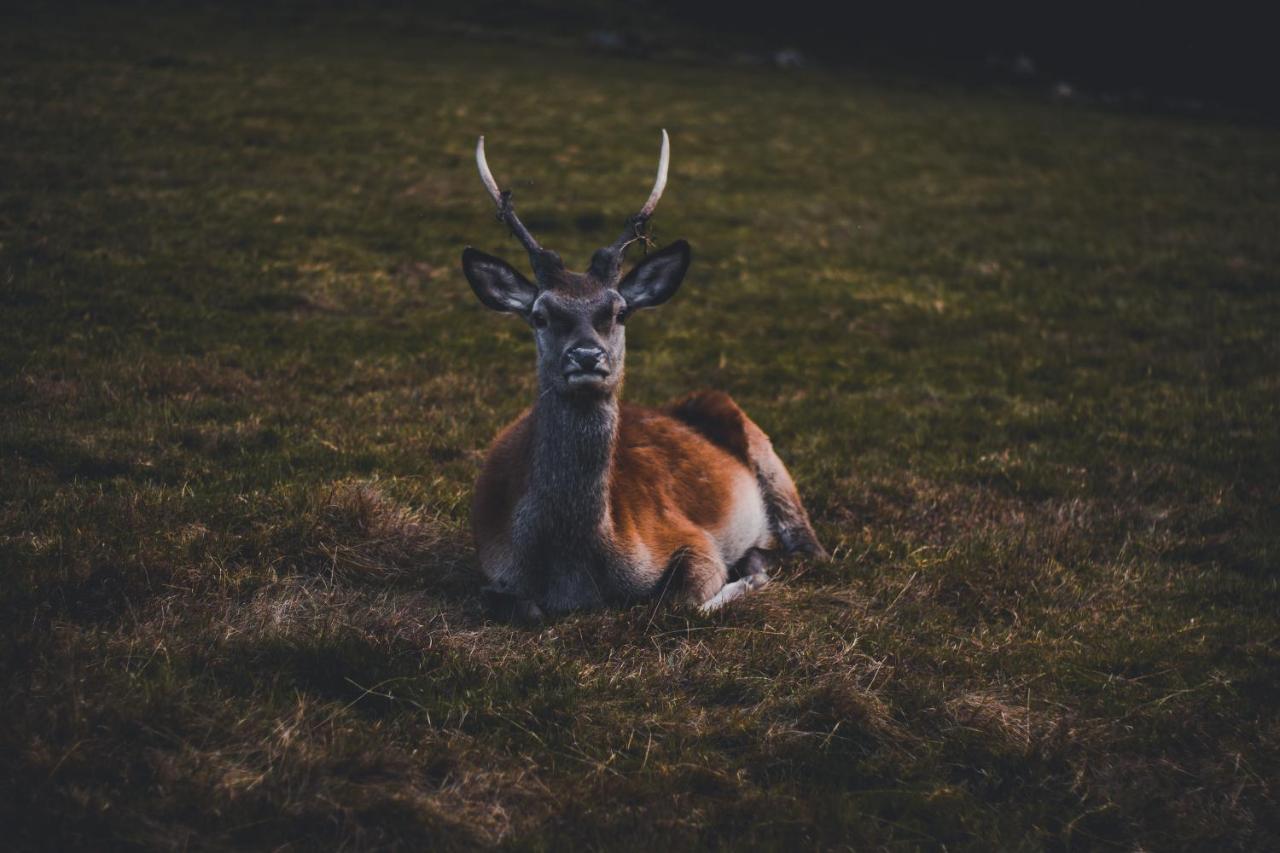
[671,480]
[669,485]
[668,481]
[718,417]
[502,481]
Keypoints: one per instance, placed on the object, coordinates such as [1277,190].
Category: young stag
[585,500]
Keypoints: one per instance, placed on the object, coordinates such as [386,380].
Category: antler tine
[507,214]
[659,183]
[486,176]
[606,262]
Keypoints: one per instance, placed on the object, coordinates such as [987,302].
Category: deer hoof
[506,607]
[527,613]
[727,593]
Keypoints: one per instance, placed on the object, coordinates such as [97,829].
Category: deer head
[578,319]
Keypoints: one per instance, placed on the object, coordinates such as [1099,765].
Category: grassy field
[1020,355]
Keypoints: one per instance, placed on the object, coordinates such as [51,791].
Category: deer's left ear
[656,279]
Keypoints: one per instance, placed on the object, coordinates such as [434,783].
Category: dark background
[1207,51]
[1206,57]
[1211,59]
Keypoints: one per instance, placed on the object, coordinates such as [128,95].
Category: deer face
[578,321]
[577,318]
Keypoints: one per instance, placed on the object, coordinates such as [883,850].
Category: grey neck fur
[574,440]
[568,522]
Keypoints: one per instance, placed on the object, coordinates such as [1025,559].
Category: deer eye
[605,319]
[539,320]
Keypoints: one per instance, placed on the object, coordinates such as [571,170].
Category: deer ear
[497,284]
[656,279]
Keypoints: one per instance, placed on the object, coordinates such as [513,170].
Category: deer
[584,501]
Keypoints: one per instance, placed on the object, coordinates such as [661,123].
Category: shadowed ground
[1020,356]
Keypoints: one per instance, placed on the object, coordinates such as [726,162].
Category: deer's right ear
[497,284]
[656,278]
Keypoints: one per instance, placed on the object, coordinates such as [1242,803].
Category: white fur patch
[747,524]
[727,593]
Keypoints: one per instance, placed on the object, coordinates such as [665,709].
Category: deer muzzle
[586,364]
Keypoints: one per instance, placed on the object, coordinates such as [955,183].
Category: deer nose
[586,358]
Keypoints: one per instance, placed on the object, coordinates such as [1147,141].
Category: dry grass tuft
[364,533]
[1008,723]
[839,702]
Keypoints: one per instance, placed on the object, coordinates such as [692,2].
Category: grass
[1020,356]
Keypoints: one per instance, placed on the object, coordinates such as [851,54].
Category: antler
[540,258]
[607,261]
[660,182]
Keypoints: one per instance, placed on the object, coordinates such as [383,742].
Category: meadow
[1019,353]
